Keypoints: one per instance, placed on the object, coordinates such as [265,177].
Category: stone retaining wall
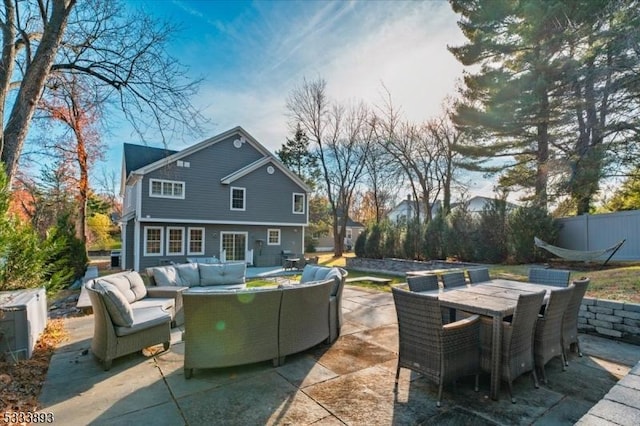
[609,318]
[618,320]
[400,266]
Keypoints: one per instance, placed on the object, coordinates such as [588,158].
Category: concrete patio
[349,382]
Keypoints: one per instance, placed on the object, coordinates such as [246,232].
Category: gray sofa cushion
[137,285]
[222,273]
[117,305]
[144,318]
[188,274]
[337,278]
[308,273]
[123,284]
[167,276]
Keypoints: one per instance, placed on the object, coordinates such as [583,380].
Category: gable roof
[137,156]
[244,137]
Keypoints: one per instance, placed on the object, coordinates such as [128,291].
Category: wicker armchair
[556,277]
[548,337]
[440,353]
[423,283]
[478,275]
[151,326]
[453,279]
[570,319]
[517,341]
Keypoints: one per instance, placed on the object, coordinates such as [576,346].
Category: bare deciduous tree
[123,54]
[342,137]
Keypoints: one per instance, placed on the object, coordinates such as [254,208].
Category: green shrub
[359,247]
[433,246]
[527,222]
[460,234]
[67,255]
[491,233]
[373,245]
[412,243]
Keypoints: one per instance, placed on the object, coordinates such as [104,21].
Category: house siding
[264,254]
[207,199]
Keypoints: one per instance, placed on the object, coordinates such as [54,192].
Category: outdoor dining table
[496,299]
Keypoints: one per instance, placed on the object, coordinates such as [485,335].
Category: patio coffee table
[496,299]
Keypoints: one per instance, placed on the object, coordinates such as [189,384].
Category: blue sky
[252,54]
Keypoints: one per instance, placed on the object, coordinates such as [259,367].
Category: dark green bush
[527,222]
[359,247]
[491,233]
[412,244]
[460,234]
[434,246]
[373,245]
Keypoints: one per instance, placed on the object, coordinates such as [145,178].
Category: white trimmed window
[175,240]
[238,198]
[298,203]
[153,240]
[166,188]
[273,237]
[195,243]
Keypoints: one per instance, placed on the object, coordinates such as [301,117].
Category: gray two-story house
[226,197]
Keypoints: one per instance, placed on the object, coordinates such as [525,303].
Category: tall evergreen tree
[295,154]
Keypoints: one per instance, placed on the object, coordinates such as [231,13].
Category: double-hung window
[166,188]
[238,198]
[153,240]
[273,237]
[175,240]
[298,203]
[195,243]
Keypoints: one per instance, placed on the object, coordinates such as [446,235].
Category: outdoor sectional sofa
[227,328]
[171,280]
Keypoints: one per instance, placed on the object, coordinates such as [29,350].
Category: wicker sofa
[126,317]
[227,328]
[171,280]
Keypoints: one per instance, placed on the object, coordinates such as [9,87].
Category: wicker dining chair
[423,283]
[570,319]
[517,341]
[441,353]
[453,279]
[548,337]
[478,275]
[555,277]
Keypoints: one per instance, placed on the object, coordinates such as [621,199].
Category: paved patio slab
[349,382]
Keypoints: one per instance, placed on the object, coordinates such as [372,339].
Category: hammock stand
[578,255]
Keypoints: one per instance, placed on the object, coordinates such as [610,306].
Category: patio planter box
[23,316]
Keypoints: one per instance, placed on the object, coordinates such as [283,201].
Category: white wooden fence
[600,231]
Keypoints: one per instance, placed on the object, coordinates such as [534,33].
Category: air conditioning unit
[23,317]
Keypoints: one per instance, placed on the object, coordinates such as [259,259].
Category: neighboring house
[407,209]
[477,204]
[227,197]
[352,232]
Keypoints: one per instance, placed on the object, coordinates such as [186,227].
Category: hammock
[578,254]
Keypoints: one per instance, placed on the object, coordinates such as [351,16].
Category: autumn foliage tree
[77,108]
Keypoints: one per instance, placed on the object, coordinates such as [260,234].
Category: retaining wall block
[601,310]
[609,332]
[633,307]
[601,324]
[627,314]
[610,318]
[588,301]
[628,329]
[610,304]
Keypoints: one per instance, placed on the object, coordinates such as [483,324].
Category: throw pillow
[188,273]
[166,276]
[119,309]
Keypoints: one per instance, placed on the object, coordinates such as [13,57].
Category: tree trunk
[30,90]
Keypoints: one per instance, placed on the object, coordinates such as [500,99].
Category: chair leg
[439,393]
[477,388]
[107,364]
[543,375]
[395,387]
[166,346]
[578,348]
[535,378]
[188,373]
[564,361]
[565,357]
[510,389]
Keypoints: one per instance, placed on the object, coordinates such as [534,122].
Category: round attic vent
[237,143]
[270,170]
